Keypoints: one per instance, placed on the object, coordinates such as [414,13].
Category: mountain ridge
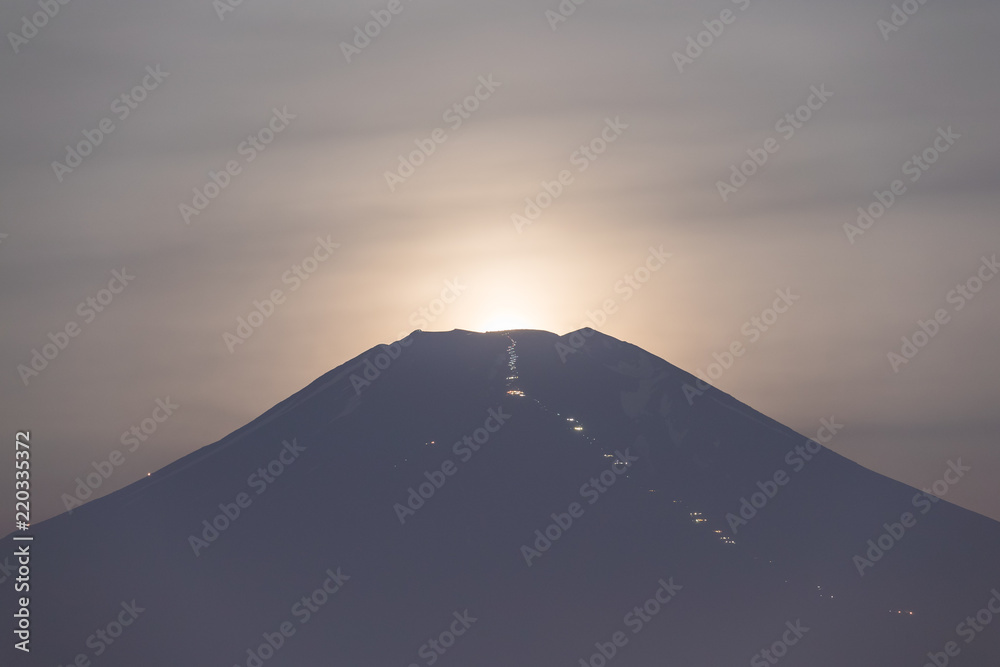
[547,493]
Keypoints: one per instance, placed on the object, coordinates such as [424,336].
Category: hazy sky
[614,110]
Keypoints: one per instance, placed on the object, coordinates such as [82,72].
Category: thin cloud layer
[724,155]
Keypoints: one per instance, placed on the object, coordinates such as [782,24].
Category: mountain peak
[542,484]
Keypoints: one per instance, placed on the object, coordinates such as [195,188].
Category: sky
[683,176]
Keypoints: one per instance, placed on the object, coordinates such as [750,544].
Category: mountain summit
[515,498]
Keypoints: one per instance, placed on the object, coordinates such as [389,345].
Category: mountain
[514,498]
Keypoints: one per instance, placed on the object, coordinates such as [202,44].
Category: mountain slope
[513,498]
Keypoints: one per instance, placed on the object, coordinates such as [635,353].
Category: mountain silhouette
[514,498]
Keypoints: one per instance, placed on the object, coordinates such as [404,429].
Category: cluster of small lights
[897,611]
[512,375]
[821,593]
[512,389]
[698,517]
[725,538]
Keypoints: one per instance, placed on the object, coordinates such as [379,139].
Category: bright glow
[506,321]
